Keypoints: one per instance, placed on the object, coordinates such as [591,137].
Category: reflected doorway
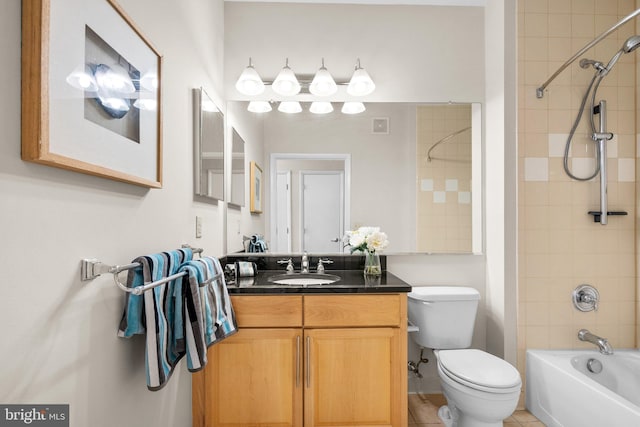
[323,166]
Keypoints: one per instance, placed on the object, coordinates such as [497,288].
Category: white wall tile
[536,169]
[464,197]
[583,167]
[439,197]
[626,170]
[557,143]
[426,185]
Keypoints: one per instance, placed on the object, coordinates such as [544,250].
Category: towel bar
[92,268]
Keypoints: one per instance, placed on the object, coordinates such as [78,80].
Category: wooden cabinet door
[352,378]
[254,378]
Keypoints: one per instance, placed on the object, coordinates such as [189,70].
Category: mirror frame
[200,189]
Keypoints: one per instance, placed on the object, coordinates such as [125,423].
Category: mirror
[208,147]
[382,176]
[237,169]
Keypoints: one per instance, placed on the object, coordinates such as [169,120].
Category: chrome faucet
[304,264]
[602,343]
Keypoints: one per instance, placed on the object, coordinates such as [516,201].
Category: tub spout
[602,343]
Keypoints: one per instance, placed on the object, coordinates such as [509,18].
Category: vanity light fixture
[322,83]
[321,107]
[249,82]
[290,107]
[259,107]
[286,83]
[353,107]
[360,83]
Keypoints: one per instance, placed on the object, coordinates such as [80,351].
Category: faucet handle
[586,298]
[289,263]
[321,263]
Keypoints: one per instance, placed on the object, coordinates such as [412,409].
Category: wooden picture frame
[257,184]
[91,92]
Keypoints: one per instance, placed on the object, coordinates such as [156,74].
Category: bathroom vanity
[326,355]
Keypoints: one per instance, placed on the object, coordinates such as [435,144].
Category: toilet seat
[479,370]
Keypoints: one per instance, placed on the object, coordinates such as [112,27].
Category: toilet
[481,389]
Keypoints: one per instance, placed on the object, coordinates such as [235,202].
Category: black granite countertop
[351,281]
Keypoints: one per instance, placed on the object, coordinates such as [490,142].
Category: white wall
[59,333]
[413,53]
[240,221]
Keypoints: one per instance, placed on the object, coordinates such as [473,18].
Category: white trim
[346,158]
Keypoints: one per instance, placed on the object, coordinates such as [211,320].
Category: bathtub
[561,390]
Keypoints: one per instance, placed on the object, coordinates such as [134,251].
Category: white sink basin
[303,279]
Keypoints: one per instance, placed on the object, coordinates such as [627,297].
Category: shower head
[631,44]
[586,63]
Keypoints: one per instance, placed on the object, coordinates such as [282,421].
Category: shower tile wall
[560,246]
[444,183]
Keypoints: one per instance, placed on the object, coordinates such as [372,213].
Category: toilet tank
[445,315]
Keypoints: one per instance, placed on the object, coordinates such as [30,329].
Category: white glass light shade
[322,83]
[146,104]
[149,81]
[321,107]
[82,78]
[360,83]
[352,107]
[286,83]
[113,103]
[290,107]
[249,83]
[259,107]
[114,78]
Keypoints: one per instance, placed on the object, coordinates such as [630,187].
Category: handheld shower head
[631,44]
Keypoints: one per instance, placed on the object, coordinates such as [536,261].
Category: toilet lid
[478,368]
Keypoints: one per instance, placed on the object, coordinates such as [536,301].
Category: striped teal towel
[154,313]
[207,311]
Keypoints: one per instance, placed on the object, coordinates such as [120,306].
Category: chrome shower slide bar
[540,90]
[92,268]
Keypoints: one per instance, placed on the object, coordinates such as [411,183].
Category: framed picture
[255,177]
[91,98]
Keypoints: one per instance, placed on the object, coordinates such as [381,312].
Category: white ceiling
[386,2]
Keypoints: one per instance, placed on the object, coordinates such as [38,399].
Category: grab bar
[92,268]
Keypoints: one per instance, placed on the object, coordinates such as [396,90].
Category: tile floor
[423,412]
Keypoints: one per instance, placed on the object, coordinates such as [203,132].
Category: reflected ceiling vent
[380,125]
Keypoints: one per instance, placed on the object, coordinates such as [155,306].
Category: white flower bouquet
[366,239]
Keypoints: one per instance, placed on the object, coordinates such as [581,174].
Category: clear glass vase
[372,265]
